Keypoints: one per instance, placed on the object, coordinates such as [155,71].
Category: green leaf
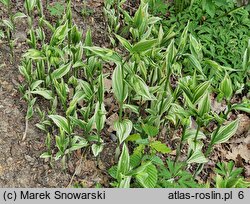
[152,20]
[124,162]
[120,88]
[141,87]
[88,38]
[226,87]
[220,182]
[19,15]
[30,4]
[225,132]
[5,2]
[197,157]
[125,43]
[209,7]
[200,91]
[133,138]
[160,147]
[144,45]
[30,110]
[62,71]
[135,159]
[61,122]
[150,130]
[100,116]
[183,39]
[138,170]
[45,155]
[56,9]
[204,105]
[123,129]
[139,16]
[78,143]
[242,107]
[80,123]
[97,149]
[195,63]
[35,84]
[148,178]
[133,108]
[125,182]
[34,54]
[105,53]
[60,34]
[113,171]
[79,95]
[47,94]
[1,34]
[195,47]
[8,23]
[190,134]
[100,91]
[88,92]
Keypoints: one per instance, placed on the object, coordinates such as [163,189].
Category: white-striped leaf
[143,45]
[62,71]
[190,134]
[123,129]
[124,162]
[105,53]
[97,149]
[225,132]
[195,63]
[120,88]
[60,34]
[100,116]
[47,94]
[61,122]
[141,88]
[124,42]
[197,157]
[200,91]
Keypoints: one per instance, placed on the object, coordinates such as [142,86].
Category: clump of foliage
[158,82]
[57,9]
[228,177]
[222,28]
[7,26]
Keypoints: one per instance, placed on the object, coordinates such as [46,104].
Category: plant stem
[210,146]
[229,12]
[196,135]
[180,145]
[121,102]
[123,88]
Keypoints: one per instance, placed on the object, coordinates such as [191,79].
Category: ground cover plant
[222,28]
[163,75]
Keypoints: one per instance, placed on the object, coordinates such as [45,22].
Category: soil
[20,165]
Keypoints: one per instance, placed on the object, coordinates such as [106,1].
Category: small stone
[113,137]
[29,158]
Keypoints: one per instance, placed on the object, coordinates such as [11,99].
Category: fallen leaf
[217,107]
[111,120]
[244,124]
[107,84]
[241,150]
